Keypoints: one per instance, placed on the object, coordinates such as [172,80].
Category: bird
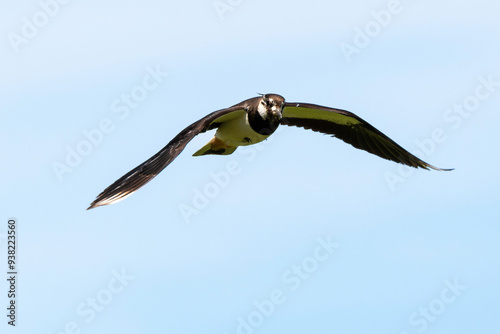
[252,121]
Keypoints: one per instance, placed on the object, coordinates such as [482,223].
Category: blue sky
[301,233]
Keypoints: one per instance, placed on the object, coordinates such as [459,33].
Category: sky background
[301,233]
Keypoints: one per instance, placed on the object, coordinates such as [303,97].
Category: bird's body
[255,123]
[252,121]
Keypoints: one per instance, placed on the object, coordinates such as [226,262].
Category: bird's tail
[215,146]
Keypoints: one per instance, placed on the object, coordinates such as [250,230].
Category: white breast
[235,131]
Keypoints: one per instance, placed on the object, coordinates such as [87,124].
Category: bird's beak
[277,111]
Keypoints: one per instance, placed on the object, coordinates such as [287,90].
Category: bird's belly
[238,133]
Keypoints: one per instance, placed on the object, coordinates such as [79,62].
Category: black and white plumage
[252,121]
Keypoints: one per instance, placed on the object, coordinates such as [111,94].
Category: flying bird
[252,121]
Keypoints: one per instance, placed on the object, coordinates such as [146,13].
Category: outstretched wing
[351,129]
[145,172]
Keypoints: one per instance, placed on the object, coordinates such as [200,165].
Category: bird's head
[271,105]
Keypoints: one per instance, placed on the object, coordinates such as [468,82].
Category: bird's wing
[145,172]
[351,129]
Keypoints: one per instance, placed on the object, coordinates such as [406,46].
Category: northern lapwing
[252,121]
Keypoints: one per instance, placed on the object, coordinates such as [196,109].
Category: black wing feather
[145,172]
[351,129]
